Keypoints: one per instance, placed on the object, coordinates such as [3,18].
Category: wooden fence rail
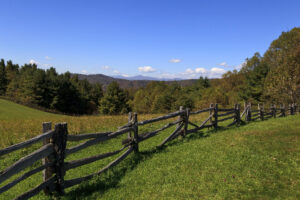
[54,151]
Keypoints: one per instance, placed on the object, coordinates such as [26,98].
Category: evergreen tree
[203,82]
[115,100]
[255,71]
[3,78]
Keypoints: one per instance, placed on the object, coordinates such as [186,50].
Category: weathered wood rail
[53,151]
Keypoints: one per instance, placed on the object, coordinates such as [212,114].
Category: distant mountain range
[148,78]
[130,82]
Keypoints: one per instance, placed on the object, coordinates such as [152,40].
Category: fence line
[54,151]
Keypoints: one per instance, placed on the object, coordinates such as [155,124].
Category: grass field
[260,160]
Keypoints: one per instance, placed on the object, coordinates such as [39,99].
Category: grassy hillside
[256,161]
[13,111]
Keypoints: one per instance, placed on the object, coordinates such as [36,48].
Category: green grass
[13,111]
[260,160]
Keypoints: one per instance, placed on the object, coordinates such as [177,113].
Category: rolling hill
[257,161]
[14,111]
[125,84]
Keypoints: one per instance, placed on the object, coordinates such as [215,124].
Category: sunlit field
[257,161]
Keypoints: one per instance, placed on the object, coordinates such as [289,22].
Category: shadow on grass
[111,178]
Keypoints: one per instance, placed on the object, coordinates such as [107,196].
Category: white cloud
[200,70]
[195,73]
[33,62]
[189,71]
[46,65]
[116,72]
[84,72]
[40,65]
[175,60]
[125,75]
[216,70]
[146,69]
[168,75]
[224,64]
[106,67]
[48,58]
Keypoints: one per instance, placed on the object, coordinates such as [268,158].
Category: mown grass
[258,161]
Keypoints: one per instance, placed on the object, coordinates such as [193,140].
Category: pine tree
[3,78]
[115,100]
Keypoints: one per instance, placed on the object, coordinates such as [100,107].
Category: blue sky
[159,38]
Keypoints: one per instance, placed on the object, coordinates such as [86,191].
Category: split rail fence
[53,151]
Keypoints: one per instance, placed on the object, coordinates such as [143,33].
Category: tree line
[273,77]
[48,89]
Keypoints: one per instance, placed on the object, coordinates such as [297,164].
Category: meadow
[260,160]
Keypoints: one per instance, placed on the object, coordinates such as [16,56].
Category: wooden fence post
[133,122]
[260,112]
[47,173]
[280,108]
[181,117]
[283,110]
[135,134]
[129,122]
[291,109]
[245,110]
[216,116]
[237,113]
[274,110]
[186,121]
[210,113]
[248,113]
[263,110]
[59,140]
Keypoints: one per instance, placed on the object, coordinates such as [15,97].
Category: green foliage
[3,78]
[32,86]
[115,100]
[255,72]
[203,83]
[283,57]
[158,97]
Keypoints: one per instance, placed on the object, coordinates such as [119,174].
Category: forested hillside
[271,78]
[128,84]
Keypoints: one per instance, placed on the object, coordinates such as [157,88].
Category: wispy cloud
[217,71]
[146,69]
[116,72]
[84,72]
[31,61]
[125,75]
[200,70]
[195,73]
[175,60]
[223,64]
[46,65]
[48,58]
[106,67]
[189,71]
